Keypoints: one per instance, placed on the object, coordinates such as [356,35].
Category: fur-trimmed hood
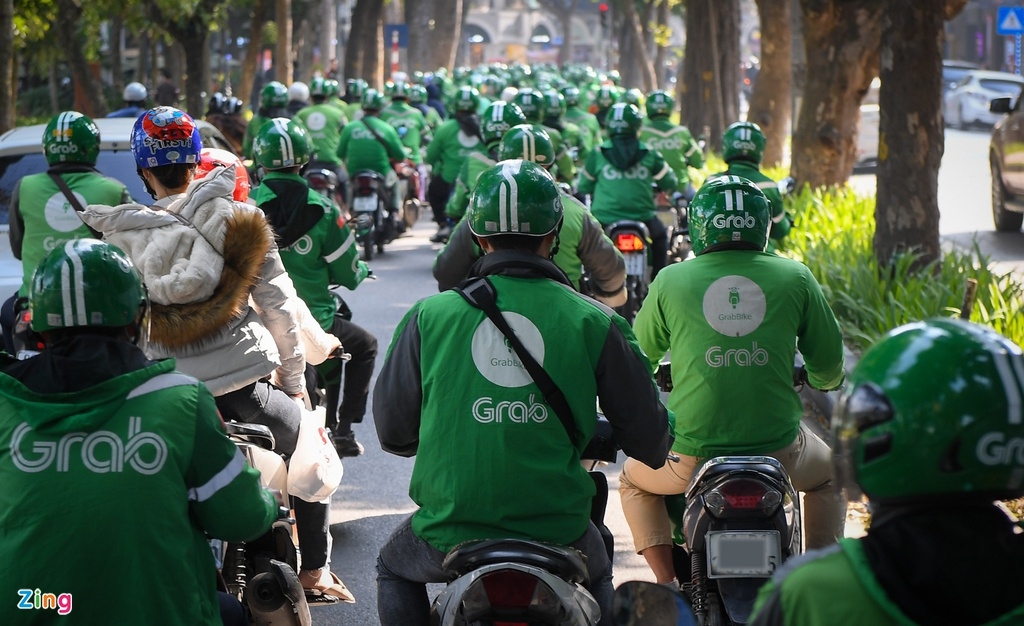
[199,256]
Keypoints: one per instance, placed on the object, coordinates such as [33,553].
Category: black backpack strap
[73,199]
[481,294]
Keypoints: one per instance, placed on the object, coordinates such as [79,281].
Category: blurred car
[867,135]
[1006,160]
[953,71]
[967,103]
[21,154]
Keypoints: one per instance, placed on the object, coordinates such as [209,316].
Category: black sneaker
[347,446]
[442,234]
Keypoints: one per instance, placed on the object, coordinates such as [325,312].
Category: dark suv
[1006,159]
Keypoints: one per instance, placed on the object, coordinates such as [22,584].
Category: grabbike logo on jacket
[735,307]
[498,362]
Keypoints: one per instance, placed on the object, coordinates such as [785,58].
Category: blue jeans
[407,563]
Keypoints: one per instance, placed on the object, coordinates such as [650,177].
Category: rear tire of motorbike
[368,249]
[714,617]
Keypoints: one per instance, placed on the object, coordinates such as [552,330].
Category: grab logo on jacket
[99,452]
[496,360]
[638,171]
[60,215]
[734,306]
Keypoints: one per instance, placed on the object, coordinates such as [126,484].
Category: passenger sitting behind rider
[126,455]
[735,299]
[224,306]
[448,363]
[619,176]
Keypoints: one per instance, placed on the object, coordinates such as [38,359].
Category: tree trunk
[328,26]
[253,51]
[709,93]
[841,39]
[283,52]
[661,51]
[8,93]
[192,34]
[771,102]
[447,32]
[87,84]
[419,16]
[365,51]
[116,52]
[907,209]
[638,47]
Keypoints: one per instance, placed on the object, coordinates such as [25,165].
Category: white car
[21,154]
[967,103]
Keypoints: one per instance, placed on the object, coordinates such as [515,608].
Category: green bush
[833,234]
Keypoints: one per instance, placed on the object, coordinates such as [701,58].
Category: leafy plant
[833,234]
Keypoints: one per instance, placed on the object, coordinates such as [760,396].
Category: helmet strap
[554,247]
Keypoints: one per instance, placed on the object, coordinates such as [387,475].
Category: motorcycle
[27,342]
[262,573]
[633,240]
[371,216]
[323,178]
[516,581]
[740,522]
[672,211]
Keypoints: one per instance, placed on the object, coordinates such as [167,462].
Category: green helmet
[467,100]
[606,96]
[528,142]
[356,87]
[515,197]
[332,88]
[372,100]
[635,97]
[418,94]
[319,87]
[743,141]
[274,96]
[554,104]
[532,104]
[85,282]
[281,143]
[398,91]
[571,96]
[623,119]
[498,118]
[729,210]
[71,137]
[660,104]
[933,410]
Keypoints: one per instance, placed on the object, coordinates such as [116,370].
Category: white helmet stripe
[287,150]
[63,123]
[72,288]
[498,112]
[508,204]
[1007,360]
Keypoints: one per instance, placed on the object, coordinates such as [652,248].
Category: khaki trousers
[808,460]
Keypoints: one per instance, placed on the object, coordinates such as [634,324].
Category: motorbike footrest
[565,562]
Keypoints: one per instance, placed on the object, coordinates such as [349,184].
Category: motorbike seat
[252,433]
[563,561]
[617,225]
[725,465]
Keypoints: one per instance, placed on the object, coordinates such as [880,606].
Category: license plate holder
[364,204]
[636,264]
[743,554]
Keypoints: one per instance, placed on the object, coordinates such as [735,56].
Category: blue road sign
[1010,21]
[403,35]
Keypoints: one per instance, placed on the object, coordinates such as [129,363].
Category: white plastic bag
[315,469]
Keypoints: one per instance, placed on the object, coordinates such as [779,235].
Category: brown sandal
[324,586]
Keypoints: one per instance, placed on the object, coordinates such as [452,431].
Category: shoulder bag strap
[369,127]
[480,294]
[73,199]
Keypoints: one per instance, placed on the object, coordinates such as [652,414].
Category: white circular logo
[734,306]
[316,121]
[497,360]
[60,215]
[302,245]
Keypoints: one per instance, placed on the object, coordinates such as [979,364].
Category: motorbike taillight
[742,495]
[629,242]
[504,595]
